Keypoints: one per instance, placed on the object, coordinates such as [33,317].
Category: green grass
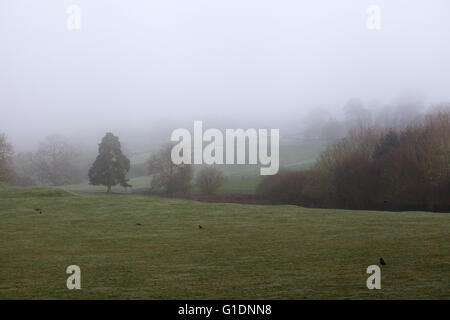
[243,252]
[240,184]
[234,184]
[139,184]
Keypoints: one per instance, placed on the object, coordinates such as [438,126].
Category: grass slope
[243,252]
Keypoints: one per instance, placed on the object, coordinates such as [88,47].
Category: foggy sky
[136,65]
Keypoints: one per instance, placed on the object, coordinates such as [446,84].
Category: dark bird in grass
[382,262]
[138,224]
[40,212]
[37,209]
[200,227]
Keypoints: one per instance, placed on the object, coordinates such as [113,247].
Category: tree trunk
[109,178]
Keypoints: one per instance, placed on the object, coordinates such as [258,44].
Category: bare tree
[25,175]
[168,177]
[54,162]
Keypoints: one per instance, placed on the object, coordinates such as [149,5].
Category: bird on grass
[138,224]
[37,209]
[200,227]
[382,262]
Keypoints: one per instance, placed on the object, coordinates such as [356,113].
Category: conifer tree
[111,165]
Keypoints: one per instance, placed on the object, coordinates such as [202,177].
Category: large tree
[111,165]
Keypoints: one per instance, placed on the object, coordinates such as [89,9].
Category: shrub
[209,179]
[292,187]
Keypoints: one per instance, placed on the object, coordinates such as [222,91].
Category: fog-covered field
[242,252]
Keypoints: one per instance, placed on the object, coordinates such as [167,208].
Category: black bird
[382,262]
[37,209]
[40,211]
[138,224]
[200,227]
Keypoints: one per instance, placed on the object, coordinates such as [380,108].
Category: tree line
[390,165]
[375,168]
[111,166]
[56,162]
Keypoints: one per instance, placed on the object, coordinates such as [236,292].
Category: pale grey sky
[137,63]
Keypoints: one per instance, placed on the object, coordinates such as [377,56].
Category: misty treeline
[393,157]
[322,124]
[375,167]
[55,162]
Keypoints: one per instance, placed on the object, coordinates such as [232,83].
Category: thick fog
[135,67]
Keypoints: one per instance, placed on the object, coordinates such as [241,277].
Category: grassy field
[240,178]
[243,252]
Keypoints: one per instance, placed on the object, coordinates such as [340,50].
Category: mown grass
[243,252]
